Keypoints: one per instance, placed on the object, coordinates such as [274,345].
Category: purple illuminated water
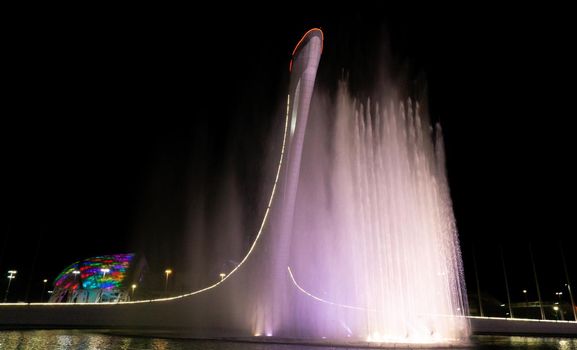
[374,252]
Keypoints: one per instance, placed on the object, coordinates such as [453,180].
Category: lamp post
[133,288]
[568,284]
[76,273]
[222,275]
[104,272]
[559,294]
[556,308]
[537,284]
[526,299]
[506,283]
[167,272]
[573,307]
[11,276]
[481,313]
[43,289]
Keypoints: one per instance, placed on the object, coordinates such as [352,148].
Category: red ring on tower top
[302,40]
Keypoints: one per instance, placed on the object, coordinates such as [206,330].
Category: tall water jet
[364,243]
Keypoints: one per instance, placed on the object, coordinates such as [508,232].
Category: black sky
[112,124]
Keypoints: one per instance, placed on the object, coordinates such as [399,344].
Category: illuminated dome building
[101,279]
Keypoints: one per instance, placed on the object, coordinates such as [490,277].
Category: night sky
[114,126]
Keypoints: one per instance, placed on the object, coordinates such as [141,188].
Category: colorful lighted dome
[100,272]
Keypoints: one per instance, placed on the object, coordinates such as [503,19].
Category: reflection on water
[86,340]
[57,339]
[501,342]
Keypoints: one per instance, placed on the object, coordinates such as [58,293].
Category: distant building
[101,279]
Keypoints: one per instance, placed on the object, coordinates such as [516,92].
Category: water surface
[92,340]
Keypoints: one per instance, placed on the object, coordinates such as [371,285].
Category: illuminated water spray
[364,240]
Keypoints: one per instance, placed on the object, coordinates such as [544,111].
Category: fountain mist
[374,234]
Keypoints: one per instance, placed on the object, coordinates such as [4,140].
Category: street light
[104,272]
[75,273]
[11,276]
[556,308]
[167,272]
[526,299]
[222,275]
[133,288]
[572,302]
[559,294]
[43,289]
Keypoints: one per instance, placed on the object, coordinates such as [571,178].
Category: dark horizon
[116,132]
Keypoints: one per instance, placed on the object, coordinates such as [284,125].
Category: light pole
[104,272]
[537,283]
[572,303]
[568,284]
[76,273]
[556,308]
[526,299]
[222,275]
[481,313]
[167,272]
[133,288]
[559,294]
[506,283]
[43,289]
[11,276]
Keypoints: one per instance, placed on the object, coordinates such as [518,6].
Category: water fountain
[363,239]
[357,242]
